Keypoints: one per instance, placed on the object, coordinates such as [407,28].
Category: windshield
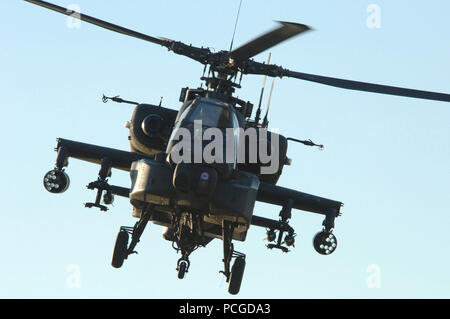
[211,115]
[218,134]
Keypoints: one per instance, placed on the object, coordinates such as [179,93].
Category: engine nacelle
[150,128]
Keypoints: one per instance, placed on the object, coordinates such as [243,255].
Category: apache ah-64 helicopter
[202,200]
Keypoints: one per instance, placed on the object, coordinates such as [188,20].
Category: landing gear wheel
[237,272]
[120,249]
[182,269]
[325,242]
[56,181]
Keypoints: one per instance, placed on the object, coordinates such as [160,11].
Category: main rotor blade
[100,23]
[368,87]
[268,40]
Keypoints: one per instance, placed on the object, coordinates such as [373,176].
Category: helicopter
[199,202]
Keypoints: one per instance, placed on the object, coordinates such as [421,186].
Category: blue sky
[387,158]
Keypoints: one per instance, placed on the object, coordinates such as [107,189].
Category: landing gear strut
[121,248]
[186,235]
[234,276]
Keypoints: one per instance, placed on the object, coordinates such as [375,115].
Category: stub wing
[277,195]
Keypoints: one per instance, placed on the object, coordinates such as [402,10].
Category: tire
[181,270]
[237,272]
[120,249]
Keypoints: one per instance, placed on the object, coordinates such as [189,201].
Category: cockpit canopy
[202,114]
[211,115]
[211,112]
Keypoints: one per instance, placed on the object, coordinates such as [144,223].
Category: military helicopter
[201,200]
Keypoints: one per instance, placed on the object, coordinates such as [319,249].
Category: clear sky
[387,158]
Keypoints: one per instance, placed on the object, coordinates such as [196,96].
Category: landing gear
[237,272]
[183,266]
[235,275]
[186,234]
[121,248]
[183,263]
[181,270]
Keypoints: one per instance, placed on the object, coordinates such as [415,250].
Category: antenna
[266,121]
[235,25]
[258,111]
